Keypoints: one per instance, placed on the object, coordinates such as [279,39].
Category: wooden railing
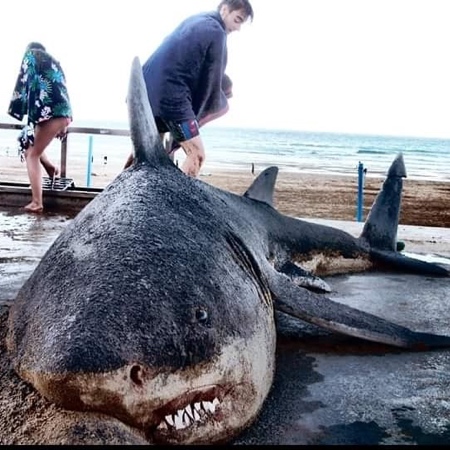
[70,130]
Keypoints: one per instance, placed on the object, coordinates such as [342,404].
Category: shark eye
[201,315]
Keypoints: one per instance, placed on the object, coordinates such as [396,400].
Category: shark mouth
[184,418]
[192,409]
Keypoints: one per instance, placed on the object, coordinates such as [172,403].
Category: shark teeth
[189,415]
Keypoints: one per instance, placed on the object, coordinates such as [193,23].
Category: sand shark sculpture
[156,305]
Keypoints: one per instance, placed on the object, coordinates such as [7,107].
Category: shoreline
[298,194]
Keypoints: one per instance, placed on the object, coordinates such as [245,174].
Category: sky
[354,66]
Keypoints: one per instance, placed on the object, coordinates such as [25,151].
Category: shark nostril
[136,375]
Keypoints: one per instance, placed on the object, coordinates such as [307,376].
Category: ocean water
[298,151]
[328,153]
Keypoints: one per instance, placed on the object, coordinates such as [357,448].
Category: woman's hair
[234,5]
[35,46]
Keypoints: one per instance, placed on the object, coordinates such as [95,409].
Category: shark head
[164,323]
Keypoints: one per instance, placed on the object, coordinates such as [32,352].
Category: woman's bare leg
[49,167]
[44,133]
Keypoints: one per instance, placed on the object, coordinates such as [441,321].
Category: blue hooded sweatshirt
[184,75]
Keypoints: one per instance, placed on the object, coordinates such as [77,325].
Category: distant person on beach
[185,78]
[40,94]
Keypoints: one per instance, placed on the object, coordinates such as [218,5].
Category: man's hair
[234,5]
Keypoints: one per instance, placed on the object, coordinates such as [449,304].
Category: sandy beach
[424,203]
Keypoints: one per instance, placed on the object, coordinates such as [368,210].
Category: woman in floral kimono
[40,94]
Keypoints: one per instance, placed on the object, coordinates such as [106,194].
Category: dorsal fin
[147,144]
[262,189]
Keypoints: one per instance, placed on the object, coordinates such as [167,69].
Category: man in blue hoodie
[184,77]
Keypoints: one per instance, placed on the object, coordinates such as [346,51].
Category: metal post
[360,200]
[89,162]
[64,157]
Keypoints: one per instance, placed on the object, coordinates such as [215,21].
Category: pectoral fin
[326,313]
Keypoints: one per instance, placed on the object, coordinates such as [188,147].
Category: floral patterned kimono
[40,93]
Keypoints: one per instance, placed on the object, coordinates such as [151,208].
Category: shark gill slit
[246,260]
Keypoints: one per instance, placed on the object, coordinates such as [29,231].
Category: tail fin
[380,229]
[395,260]
[144,134]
